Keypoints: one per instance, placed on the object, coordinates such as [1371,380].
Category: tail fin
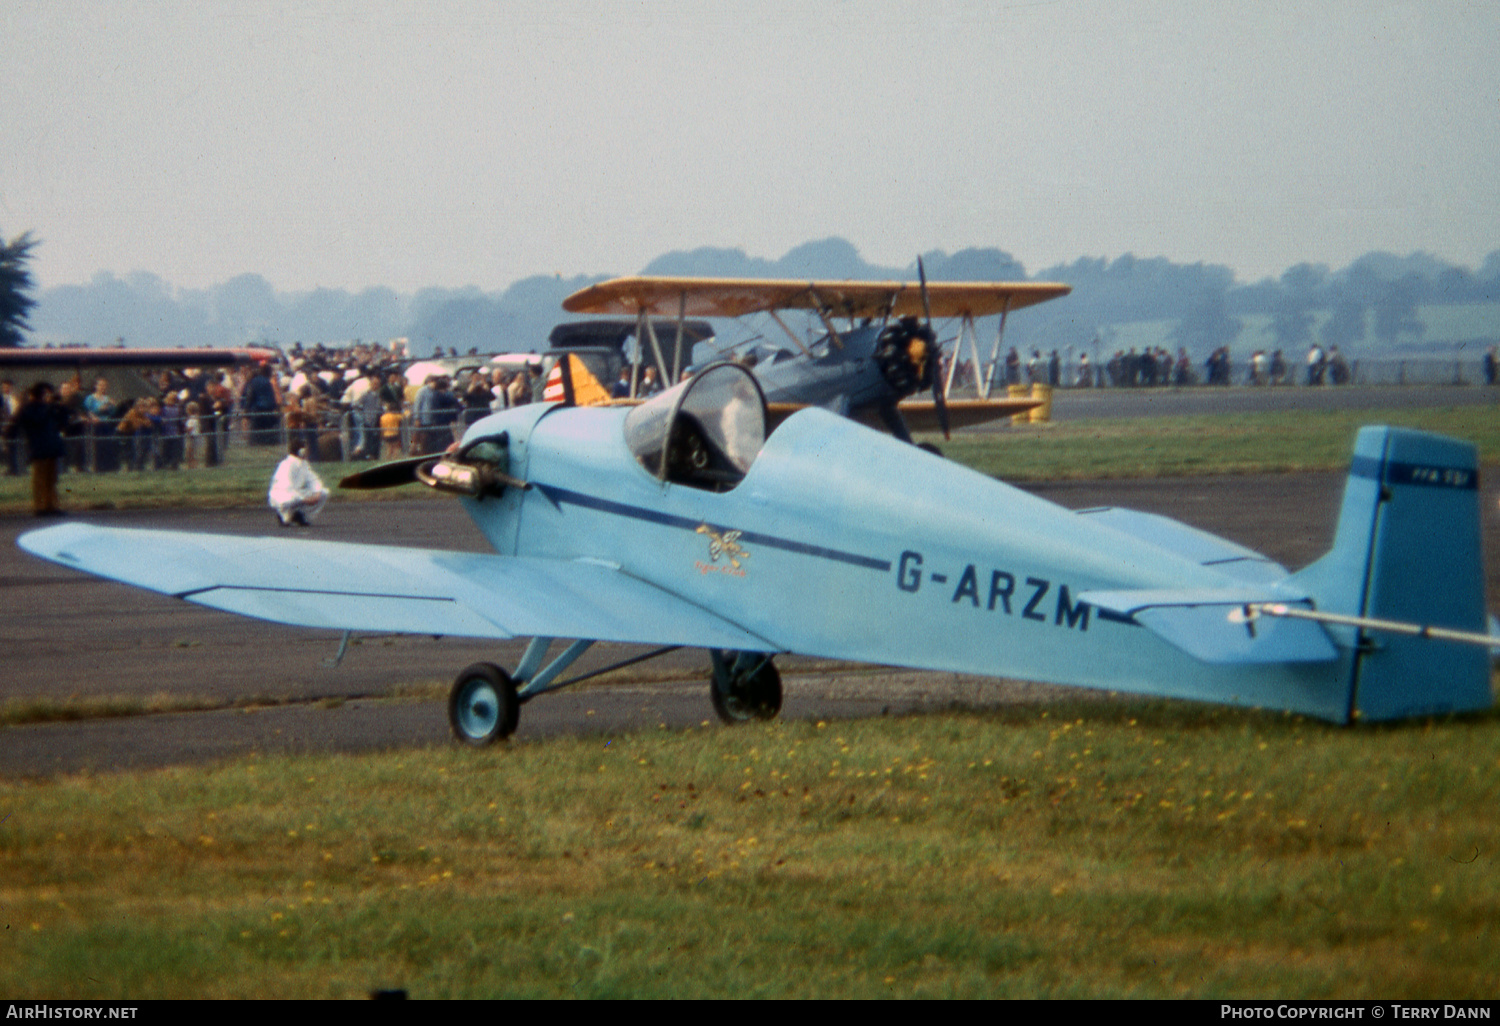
[1408,548]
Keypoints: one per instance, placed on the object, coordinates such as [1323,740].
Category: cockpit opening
[703,433]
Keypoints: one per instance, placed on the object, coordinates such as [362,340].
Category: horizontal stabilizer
[1189,542]
[1213,625]
[381,588]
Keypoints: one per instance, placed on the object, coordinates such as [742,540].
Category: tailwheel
[482,707]
[745,686]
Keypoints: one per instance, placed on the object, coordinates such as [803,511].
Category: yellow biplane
[870,370]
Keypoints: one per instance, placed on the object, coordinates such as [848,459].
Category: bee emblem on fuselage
[726,545]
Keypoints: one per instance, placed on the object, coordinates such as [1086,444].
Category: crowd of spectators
[181,420]
[1154,366]
[353,403]
[359,403]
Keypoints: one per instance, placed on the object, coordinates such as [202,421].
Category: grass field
[1107,850]
[1184,446]
[1104,849]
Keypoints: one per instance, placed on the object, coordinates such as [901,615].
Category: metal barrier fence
[112,444]
[1395,371]
[1420,371]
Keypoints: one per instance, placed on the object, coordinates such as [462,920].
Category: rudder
[1408,548]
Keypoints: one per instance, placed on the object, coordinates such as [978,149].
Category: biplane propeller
[910,361]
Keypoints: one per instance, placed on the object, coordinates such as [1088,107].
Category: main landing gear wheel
[745,686]
[482,706]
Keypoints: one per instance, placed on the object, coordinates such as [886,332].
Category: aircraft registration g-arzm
[680,522]
[887,353]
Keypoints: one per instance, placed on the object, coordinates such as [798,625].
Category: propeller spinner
[477,471]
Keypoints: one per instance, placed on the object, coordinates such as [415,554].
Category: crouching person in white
[297,495]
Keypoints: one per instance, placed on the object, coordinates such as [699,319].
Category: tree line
[1375,299]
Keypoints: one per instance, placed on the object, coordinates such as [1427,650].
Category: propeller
[932,365]
[387,475]
[908,356]
[475,471]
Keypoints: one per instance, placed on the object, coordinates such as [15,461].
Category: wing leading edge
[379,588]
[737,297]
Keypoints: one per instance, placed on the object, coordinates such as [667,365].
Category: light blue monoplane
[679,522]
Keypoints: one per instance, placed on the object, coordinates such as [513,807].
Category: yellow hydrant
[1042,413]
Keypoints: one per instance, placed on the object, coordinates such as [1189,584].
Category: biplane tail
[1407,551]
[572,383]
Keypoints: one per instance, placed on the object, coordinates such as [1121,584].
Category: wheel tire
[482,707]
[745,686]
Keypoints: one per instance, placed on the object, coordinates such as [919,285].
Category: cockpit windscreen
[705,432]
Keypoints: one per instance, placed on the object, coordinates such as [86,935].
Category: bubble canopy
[704,432]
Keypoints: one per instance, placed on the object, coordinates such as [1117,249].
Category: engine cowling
[906,353]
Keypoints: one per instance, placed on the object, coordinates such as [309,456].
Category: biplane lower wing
[923,415]
[920,415]
[380,588]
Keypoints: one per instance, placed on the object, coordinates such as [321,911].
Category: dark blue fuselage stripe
[1369,467]
[818,551]
[561,495]
[281,590]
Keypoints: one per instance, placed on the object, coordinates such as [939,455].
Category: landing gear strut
[745,686]
[485,703]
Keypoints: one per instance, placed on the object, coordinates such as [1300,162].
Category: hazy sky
[449,143]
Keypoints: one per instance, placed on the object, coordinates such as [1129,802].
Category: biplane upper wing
[737,297]
[382,588]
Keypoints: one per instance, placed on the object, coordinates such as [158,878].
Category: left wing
[383,589]
[736,297]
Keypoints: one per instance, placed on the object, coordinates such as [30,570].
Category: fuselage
[844,543]
[839,375]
